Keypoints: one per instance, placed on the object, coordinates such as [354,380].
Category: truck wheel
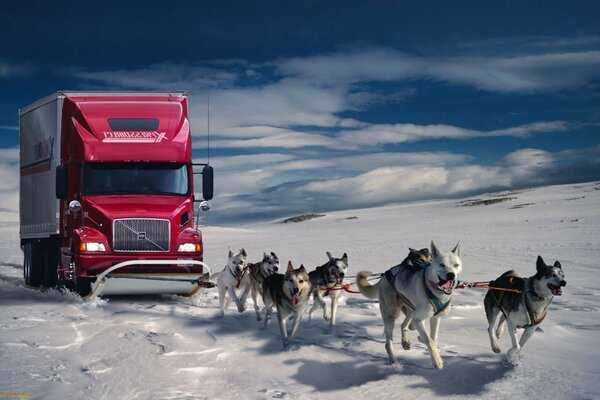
[50,264]
[32,265]
[83,286]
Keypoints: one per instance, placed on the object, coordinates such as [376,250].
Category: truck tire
[50,264]
[83,286]
[32,264]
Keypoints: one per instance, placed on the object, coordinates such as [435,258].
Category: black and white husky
[233,277]
[257,273]
[289,293]
[523,307]
[422,292]
[327,280]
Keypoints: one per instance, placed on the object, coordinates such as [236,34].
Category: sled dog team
[420,288]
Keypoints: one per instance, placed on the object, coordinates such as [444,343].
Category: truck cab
[113,182]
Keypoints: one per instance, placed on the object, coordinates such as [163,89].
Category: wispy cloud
[164,76]
[401,133]
[9,70]
[519,73]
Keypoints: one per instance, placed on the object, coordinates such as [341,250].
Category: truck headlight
[190,247]
[91,246]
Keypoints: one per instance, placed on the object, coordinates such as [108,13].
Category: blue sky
[319,106]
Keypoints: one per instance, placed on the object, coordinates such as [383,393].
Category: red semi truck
[107,185]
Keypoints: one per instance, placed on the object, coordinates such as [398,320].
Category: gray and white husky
[257,273]
[327,280]
[525,307]
[422,292]
[289,293]
[233,277]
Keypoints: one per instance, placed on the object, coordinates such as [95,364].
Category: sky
[327,105]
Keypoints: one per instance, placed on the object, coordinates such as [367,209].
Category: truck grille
[131,234]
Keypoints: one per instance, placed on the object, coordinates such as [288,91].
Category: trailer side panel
[40,154]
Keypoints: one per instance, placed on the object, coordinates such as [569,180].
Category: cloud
[9,155]
[10,70]
[249,161]
[283,103]
[164,76]
[287,140]
[520,73]
[379,185]
[401,133]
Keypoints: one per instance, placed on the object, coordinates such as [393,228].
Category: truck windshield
[135,178]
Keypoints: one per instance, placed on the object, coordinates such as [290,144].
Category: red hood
[138,206]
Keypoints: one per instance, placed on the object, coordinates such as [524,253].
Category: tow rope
[484,285]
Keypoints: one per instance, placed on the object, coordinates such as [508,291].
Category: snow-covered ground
[54,345]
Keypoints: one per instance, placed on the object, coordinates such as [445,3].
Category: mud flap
[110,282]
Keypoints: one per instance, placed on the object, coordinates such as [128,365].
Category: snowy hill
[53,345]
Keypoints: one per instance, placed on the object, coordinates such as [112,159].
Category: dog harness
[533,321]
[438,307]
[391,278]
[257,272]
[239,280]
[319,281]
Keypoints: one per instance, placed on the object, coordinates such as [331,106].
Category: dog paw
[326,316]
[438,363]
[241,309]
[513,355]
[496,349]
[406,345]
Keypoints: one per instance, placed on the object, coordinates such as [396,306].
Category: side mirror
[74,206]
[207,182]
[62,180]
[205,206]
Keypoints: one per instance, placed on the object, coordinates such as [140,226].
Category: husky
[420,291]
[523,307]
[288,292]
[257,273]
[234,276]
[326,280]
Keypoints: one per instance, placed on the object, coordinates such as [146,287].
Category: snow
[54,345]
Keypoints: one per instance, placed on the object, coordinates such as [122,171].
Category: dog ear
[330,256]
[243,252]
[230,252]
[557,265]
[540,265]
[290,267]
[345,258]
[274,255]
[301,269]
[410,249]
[456,249]
[434,250]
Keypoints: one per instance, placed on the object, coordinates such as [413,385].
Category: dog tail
[367,290]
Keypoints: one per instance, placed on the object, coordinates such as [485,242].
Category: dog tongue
[447,287]
[295,299]
[557,291]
